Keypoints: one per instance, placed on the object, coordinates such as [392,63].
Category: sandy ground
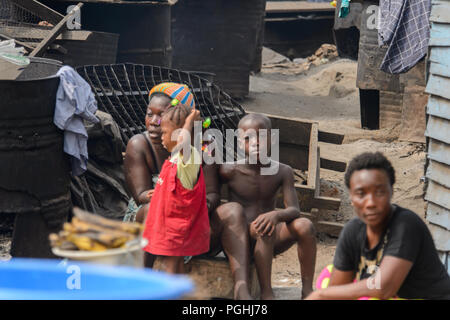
[327,94]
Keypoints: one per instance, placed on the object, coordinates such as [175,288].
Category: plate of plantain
[91,233]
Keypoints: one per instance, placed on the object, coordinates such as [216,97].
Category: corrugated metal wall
[438,130]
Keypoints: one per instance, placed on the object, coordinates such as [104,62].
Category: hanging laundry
[404,27]
[75,102]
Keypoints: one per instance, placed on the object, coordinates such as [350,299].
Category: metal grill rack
[122,91]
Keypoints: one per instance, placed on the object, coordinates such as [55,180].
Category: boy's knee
[231,213]
[304,227]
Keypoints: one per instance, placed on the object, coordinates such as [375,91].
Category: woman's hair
[369,160]
[159,95]
[176,114]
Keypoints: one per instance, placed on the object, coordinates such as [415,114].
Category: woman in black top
[387,249]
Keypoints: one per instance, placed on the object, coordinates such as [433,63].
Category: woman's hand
[315,295]
[150,194]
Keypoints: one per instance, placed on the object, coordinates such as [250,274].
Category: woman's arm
[384,284]
[137,172]
[212,183]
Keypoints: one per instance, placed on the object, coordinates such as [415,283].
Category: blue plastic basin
[37,279]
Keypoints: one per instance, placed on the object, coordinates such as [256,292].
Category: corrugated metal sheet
[438,194]
[445,258]
[439,107]
[439,151]
[438,216]
[439,173]
[440,34]
[438,130]
[439,86]
[441,237]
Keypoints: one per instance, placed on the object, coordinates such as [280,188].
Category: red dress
[177,221]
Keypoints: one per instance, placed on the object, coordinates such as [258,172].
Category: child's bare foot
[242,292]
[267,295]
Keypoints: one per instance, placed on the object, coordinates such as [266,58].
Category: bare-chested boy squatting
[271,231]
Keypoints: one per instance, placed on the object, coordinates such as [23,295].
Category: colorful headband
[176,91]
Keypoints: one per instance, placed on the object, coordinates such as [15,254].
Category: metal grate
[21,24]
[122,91]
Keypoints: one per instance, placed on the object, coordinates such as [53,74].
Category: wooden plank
[293,131]
[313,157]
[297,6]
[329,137]
[439,173]
[40,10]
[39,34]
[333,165]
[9,71]
[438,107]
[438,85]
[438,215]
[62,25]
[440,34]
[326,203]
[294,155]
[317,184]
[413,124]
[441,237]
[438,194]
[331,228]
[440,12]
[438,128]
[439,151]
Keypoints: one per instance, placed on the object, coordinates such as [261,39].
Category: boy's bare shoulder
[227,170]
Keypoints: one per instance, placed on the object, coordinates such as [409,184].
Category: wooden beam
[333,165]
[294,155]
[317,177]
[326,203]
[330,228]
[330,137]
[60,27]
[297,7]
[313,157]
[292,130]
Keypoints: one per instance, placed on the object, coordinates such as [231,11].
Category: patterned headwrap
[176,91]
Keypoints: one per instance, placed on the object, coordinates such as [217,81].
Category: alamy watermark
[73,281]
[74,22]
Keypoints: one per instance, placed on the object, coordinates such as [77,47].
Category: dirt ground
[326,93]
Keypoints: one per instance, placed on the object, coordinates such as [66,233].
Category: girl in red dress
[177,223]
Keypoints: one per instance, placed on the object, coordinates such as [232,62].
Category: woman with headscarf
[145,153]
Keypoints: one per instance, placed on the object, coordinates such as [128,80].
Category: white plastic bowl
[131,255]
